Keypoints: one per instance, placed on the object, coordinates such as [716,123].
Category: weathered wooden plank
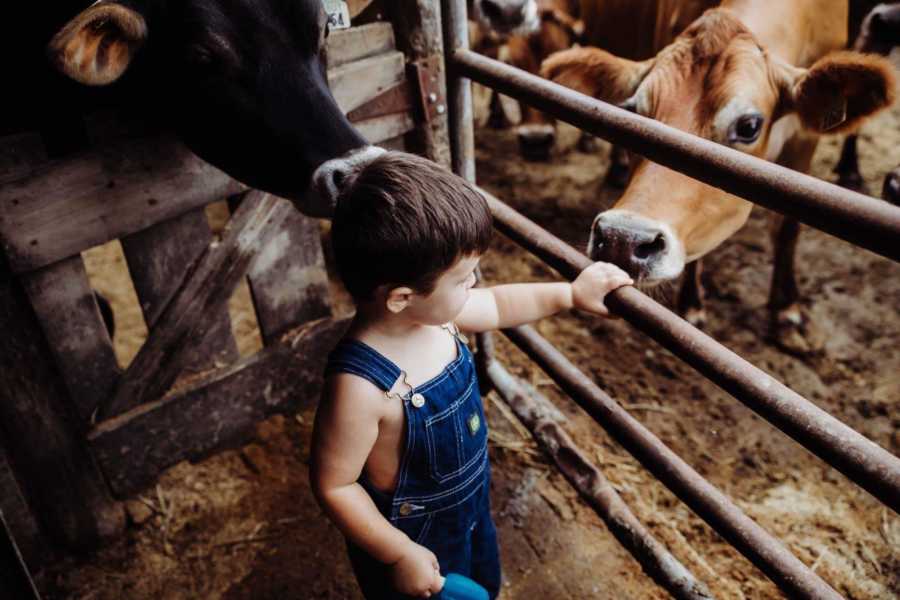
[346,45]
[65,489]
[158,259]
[189,315]
[22,523]
[384,128]
[288,281]
[217,410]
[67,206]
[354,83]
[67,310]
[20,154]
[417,27]
[17,580]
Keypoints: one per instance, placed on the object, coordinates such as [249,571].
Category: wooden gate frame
[76,433]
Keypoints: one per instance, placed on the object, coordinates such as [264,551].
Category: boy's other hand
[417,573]
[592,285]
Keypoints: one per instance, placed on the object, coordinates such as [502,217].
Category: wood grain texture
[193,310]
[288,281]
[22,523]
[158,260]
[66,206]
[354,83]
[64,488]
[67,310]
[218,410]
[418,31]
[346,45]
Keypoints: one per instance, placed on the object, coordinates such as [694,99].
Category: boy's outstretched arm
[515,304]
[344,433]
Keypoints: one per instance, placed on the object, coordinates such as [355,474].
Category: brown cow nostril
[644,251]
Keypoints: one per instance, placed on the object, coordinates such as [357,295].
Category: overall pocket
[456,436]
[416,527]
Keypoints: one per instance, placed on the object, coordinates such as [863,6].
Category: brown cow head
[717,82]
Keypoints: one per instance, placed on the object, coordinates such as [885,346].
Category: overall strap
[360,359]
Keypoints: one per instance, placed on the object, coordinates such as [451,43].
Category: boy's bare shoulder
[349,391]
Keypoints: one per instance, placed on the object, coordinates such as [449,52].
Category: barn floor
[243,525]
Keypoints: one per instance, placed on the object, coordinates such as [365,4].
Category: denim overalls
[442,497]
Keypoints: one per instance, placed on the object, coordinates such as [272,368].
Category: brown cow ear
[97,46]
[596,73]
[841,90]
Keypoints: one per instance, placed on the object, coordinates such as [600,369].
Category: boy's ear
[839,91]
[398,299]
[596,73]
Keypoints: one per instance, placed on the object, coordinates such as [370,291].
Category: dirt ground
[243,524]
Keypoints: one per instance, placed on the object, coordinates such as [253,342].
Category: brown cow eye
[746,129]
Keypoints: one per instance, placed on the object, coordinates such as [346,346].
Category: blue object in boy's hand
[459,587]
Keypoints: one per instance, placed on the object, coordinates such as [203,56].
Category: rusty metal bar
[854,217]
[860,459]
[535,412]
[714,507]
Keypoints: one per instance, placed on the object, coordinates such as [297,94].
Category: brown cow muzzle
[536,140]
[646,249]
[508,16]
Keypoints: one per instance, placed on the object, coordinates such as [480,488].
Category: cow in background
[634,29]
[559,29]
[760,77]
[879,33]
[502,18]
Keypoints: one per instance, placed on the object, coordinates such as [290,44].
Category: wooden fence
[77,433]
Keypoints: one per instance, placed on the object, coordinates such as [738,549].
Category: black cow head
[242,81]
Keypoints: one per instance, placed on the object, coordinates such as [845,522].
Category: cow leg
[790,324]
[691,296]
[847,168]
[619,167]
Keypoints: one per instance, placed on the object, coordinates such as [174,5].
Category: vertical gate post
[459,91]
[462,143]
[63,486]
[417,25]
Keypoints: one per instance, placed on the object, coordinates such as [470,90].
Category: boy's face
[450,294]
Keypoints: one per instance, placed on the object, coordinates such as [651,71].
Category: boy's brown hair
[403,221]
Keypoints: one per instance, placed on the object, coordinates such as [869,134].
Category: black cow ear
[97,46]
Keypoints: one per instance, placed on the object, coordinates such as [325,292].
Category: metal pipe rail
[861,460]
[854,217]
[714,507]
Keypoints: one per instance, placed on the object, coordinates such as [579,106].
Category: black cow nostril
[337,178]
[644,251]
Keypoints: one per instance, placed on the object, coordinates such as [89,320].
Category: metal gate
[856,218]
